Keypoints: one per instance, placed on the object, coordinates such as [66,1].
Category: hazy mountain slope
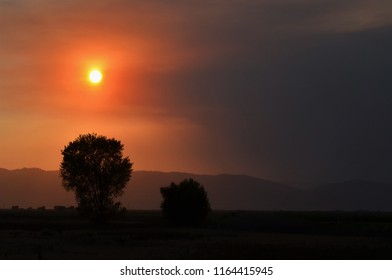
[32,187]
[224,191]
[35,187]
[350,195]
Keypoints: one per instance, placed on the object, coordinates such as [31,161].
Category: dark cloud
[312,108]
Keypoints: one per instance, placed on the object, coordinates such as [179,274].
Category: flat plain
[50,234]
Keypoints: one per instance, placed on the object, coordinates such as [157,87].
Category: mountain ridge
[34,187]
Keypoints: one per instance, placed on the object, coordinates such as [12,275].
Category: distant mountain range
[31,187]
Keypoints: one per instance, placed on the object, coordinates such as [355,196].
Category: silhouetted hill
[350,195]
[32,187]
[224,191]
[35,187]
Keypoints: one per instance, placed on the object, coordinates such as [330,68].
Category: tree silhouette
[95,169]
[185,203]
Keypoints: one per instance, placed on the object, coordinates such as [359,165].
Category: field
[224,235]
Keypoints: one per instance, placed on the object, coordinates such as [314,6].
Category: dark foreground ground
[225,235]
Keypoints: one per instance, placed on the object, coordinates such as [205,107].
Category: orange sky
[197,86]
[47,102]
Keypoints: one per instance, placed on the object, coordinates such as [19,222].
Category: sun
[95,76]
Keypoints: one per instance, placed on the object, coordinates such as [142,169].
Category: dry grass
[225,235]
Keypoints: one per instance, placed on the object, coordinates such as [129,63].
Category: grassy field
[225,235]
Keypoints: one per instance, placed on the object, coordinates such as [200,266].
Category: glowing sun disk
[95,76]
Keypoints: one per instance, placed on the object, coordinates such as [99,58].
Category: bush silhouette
[95,169]
[186,203]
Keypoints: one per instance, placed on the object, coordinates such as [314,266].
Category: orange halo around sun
[95,76]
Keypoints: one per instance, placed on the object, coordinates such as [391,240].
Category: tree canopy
[94,168]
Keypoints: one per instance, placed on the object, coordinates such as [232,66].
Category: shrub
[185,203]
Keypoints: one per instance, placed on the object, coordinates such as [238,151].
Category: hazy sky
[289,90]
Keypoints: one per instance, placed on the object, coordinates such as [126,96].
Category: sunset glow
[124,121]
[207,87]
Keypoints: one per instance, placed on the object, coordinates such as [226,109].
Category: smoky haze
[293,91]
